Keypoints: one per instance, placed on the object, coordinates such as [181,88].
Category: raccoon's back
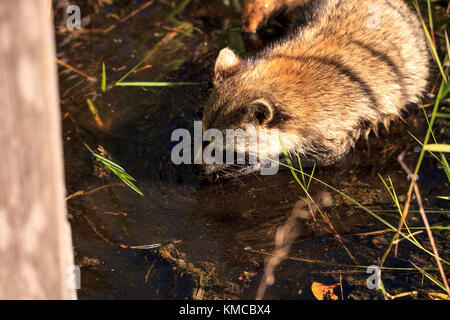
[378,43]
[351,66]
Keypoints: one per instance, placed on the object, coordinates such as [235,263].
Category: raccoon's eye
[262,111]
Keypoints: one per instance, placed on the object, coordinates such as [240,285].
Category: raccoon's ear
[227,61]
[261,111]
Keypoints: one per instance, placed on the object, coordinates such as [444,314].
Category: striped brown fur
[336,78]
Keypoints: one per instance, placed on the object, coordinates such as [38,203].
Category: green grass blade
[117,170]
[109,163]
[418,141]
[443,115]
[432,228]
[438,148]
[372,213]
[301,168]
[445,166]
[430,43]
[312,174]
[103,78]
[394,197]
[127,182]
[429,276]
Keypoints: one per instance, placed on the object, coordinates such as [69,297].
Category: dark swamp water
[212,236]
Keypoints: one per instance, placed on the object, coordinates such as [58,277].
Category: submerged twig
[116,213]
[135,12]
[95,114]
[96,231]
[161,44]
[112,27]
[143,247]
[408,236]
[81,73]
[85,193]
[402,295]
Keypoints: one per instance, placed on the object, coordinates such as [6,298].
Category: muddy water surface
[209,240]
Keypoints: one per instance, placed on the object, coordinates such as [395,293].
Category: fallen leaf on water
[323,292]
[199,295]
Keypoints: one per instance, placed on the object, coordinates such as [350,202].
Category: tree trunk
[36,254]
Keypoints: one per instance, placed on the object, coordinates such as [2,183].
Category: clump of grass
[409,235]
[442,93]
[117,170]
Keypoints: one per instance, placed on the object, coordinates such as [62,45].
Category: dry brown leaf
[323,292]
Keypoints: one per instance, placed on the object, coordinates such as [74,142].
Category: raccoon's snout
[209,169]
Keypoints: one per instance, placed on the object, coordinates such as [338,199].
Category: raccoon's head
[252,101]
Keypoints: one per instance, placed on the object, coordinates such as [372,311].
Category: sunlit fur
[334,79]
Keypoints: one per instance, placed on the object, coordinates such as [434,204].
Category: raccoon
[350,66]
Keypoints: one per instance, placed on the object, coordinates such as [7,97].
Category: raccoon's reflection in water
[257,222]
[286,234]
[245,213]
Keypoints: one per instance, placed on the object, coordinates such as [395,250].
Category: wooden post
[35,240]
